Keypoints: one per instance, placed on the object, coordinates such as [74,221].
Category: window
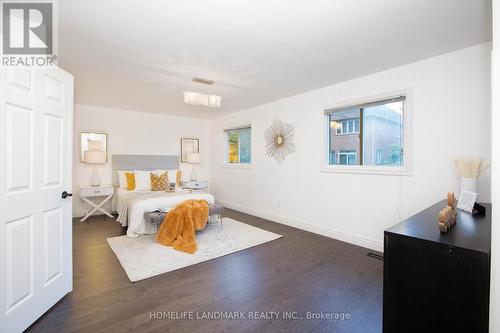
[238,145]
[333,157]
[368,134]
[347,157]
[379,156]
[348,126]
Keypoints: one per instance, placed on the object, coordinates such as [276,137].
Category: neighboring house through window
[347,157]
[368,134]
[348,126]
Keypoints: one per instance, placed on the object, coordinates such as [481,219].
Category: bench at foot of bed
[156,218]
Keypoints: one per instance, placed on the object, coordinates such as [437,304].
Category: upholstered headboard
[142,162]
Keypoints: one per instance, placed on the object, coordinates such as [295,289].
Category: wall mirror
[95,142]
[188,146]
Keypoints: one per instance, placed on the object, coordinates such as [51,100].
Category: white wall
[137,133]
[495,175]
[451,118]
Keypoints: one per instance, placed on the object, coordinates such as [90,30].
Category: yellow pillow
[130,180]
[159,183]
[178,178]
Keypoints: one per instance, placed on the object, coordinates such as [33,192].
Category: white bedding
[131,206]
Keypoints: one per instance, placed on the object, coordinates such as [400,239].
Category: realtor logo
[28,30]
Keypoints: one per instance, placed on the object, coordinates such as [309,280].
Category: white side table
[106,192]
[196,185]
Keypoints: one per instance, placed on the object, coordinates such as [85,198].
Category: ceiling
[141,55]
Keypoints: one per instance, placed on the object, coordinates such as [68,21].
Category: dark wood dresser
[437,282]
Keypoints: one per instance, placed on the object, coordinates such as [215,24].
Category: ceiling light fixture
[204,81]
[195,98]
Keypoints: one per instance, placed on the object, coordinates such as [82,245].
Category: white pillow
[172,175]
[159,172]
[122,179]
[142,180]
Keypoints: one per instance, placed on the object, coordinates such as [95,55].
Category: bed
[131,205]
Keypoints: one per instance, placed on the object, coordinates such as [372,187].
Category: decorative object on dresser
[447,216]
[189,146]
[466,200]
[279,140]
[193,158]
[198,185]
[94,151]
[105,192]
[469,169]
[435,282]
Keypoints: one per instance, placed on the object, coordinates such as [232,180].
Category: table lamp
[193,158]
[95,156]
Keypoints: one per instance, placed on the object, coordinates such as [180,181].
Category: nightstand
[196,185]
[105,192]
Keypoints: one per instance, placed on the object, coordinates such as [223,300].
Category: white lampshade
[193,158]
[94,157]
[214,101]
[195,98]
[94,145]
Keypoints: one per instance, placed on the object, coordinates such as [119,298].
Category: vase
[96,180]
[469,184]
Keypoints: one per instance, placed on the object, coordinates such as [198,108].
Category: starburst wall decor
[279,140]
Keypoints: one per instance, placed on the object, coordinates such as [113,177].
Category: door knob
[65,194]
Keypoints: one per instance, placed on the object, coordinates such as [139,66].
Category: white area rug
[142,257]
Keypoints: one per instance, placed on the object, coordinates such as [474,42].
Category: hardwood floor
[302,272]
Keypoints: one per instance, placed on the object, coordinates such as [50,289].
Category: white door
[36,118]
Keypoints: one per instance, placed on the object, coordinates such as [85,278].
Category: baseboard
[332,233]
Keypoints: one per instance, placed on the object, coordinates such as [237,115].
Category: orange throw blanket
[178,228]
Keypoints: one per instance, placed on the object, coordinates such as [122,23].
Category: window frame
[351,123]
[347,153]
[403,170]
[238,165]
[379,157]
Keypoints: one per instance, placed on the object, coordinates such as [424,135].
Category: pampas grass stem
[468,167]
